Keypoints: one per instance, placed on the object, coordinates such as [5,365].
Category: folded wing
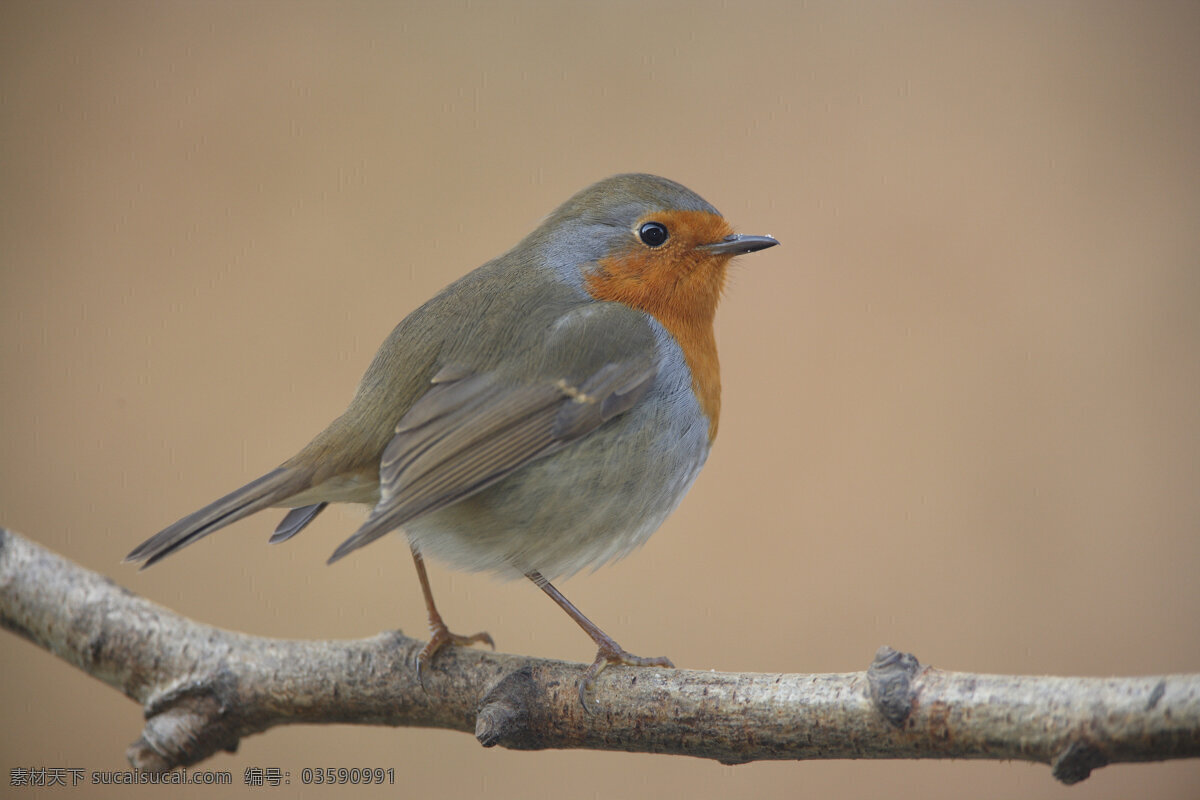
[472,429]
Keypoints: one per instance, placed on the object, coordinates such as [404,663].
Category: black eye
[653,234]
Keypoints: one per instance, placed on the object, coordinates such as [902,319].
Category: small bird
[542,414]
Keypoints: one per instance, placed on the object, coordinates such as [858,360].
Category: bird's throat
[684,300]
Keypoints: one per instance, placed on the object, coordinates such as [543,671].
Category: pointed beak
[737,244]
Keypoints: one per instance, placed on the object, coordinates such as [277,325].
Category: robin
[542,414]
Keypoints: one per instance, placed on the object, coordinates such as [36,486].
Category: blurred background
[962,400]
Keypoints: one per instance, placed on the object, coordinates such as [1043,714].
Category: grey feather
[254,496]
[295,520]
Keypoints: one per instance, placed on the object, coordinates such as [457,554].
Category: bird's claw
[614,655]
[439,637]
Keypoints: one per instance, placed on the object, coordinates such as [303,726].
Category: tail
[266,491]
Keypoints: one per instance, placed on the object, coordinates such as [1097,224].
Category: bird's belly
[587,504]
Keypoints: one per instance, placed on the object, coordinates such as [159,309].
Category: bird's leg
[609,653]
[439,634]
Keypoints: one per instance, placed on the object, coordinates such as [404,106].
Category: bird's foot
[611,653]
[439,637]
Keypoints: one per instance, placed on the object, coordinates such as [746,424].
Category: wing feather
[470,430]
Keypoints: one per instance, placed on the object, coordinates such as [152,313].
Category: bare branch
[203,689]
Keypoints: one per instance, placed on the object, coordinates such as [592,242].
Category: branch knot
[890,676]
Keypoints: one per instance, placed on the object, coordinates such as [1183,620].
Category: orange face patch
[679,284]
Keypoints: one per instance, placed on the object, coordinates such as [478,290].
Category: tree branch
[203,689]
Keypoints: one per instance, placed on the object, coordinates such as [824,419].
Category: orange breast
[679,285]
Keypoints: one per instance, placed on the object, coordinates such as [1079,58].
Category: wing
[472,429]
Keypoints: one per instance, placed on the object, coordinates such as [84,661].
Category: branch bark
[203,689]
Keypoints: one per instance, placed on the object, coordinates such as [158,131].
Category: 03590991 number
[347,775]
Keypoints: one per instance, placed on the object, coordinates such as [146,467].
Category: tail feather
[295,520]
[254,496]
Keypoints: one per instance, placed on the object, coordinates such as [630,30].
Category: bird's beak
[736,244]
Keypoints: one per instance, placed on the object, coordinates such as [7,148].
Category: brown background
[961,405]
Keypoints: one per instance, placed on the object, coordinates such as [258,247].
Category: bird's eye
[653,234]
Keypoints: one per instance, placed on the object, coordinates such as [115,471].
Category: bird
[544,413]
